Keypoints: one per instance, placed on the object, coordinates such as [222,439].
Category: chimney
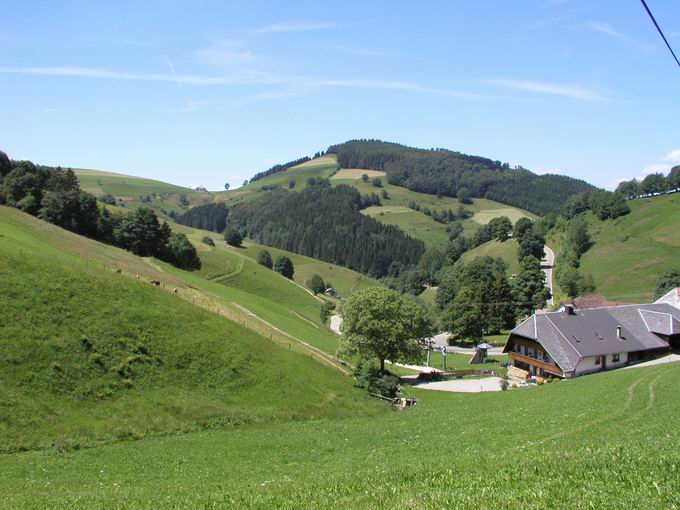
[618,333]
[570,309]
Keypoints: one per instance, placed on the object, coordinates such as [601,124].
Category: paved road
[547,264]
[671,358]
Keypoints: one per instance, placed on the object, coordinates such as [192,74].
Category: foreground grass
[90,355]
[603,441]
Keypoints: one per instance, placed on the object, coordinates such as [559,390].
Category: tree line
[448,173]
[653,184]
[54,195]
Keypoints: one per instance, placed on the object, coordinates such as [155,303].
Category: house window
[598,360]
[615,357]
[545,356]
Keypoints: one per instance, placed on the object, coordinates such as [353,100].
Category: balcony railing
[549,367]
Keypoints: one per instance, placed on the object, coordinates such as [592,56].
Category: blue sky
[203,92]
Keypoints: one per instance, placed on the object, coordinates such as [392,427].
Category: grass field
[507,250]
[602,441]
[414,223]
[629,253]
[90,355]
[324,166]
[356,173]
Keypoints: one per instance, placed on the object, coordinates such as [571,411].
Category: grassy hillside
[234,274]
[167,197]
[600,447]
[324,166]
[92,355]
[506,250]
[629,253]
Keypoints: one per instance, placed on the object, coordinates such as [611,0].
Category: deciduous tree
[379,323]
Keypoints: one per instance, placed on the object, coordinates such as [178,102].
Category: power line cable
[658,28]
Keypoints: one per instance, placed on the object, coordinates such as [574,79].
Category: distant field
[631,252]
[167,196]
[507,250]
[120,185]
[356,173]
[414,223]
[320,167]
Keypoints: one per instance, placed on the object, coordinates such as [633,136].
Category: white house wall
[587,365]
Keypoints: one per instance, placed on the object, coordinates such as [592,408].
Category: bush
[316,284]
[233,237]
[284,266]
[208,240]
[369,377]
[108,199]
[326,308]
[264,258]
[377,182]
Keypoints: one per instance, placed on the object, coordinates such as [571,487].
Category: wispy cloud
[296,84]
[293,27]
[556,89]
[673,155]
[541,23]
[244,78]
[224,53]
[604,28]
[368,52]
[263,96]
[50,110]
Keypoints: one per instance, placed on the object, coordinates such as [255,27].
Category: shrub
[208,240]
[504,384]
[108,199]
[376,182]
[284,266]
[264,258]
[369,377]
[316,284]
[326,308]
[233,237]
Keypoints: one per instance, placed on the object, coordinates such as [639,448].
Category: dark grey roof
[593,332]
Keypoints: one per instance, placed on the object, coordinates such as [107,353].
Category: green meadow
[629,254]
[506,250]
[602,441]
[91,355]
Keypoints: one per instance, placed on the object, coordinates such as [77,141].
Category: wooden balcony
[553,369]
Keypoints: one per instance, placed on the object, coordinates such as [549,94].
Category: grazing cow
[138,277]
[118,271]
[174,290]
[155,282]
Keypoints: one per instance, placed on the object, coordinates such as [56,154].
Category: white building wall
[587,365]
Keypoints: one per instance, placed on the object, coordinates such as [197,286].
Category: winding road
[547,265]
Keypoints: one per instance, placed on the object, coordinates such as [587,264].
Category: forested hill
[449,173]
[322,222]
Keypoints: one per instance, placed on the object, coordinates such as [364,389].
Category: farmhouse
[572,342]
[672,297]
